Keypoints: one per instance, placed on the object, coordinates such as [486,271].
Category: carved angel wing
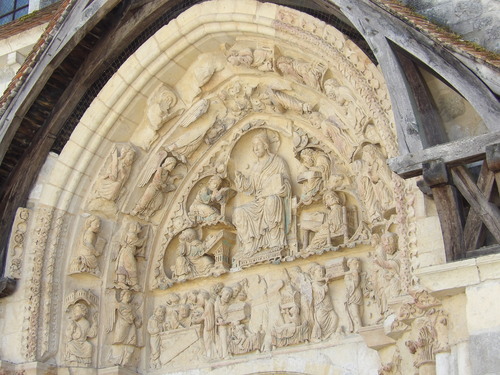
[193,113]
[150,167]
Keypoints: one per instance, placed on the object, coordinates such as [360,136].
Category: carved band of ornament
[16,244]
[31,318]
[51,292]
[81,294]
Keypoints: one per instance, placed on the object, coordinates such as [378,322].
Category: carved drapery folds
[81,328]
[123,326]
[89,249]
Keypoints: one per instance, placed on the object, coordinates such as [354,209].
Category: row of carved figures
[221,317]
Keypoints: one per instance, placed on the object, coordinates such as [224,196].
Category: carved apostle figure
[87,252]
[126,276]
[152,198]
[333,228]
[109,184]
[204,208]
[354,295]
[207,318]
[125,323]
[191,258]
[221,320]
[263,223]
[78,349]
[380,175]
[316,173]
[325,317]
[388,280]
[156,325]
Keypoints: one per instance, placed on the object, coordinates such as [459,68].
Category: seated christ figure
[262,224]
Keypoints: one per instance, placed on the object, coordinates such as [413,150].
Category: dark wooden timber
[474,233]
[431,128]
[463,151]
[489,212]
[449,208]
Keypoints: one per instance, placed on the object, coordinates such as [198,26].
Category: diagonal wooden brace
[489,213]
[474,228]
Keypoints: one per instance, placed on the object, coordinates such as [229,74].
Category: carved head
[331,198]
[172,299]
[125,296]
[192,296]
[226,295]
[261,144]
[188,235]
[128,156]
[353,263]
[307,157]
[217,288]
[331,86]
[317,271]
[285,64]
[79,311]
[203,296]
[375,240]
[169,163]
[93,223]
[389,242]
[214,182]
[159,313]
[184,311]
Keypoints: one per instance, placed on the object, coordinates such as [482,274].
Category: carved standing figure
[155,326]
[208,320]
[221,320]
[325,317]
[109,184]
[380,175]
[125,322]
[263,223]
[78,349]
[354,295]
[87,252]
[387,278]
[152,198]
[126,276]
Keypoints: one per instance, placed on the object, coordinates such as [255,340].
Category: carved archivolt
[263,150]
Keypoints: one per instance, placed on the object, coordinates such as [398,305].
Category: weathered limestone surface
[225,206]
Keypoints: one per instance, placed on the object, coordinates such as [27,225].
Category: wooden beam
[430,124]
[489,212]
[474,228]
[454,153]
[449,209]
